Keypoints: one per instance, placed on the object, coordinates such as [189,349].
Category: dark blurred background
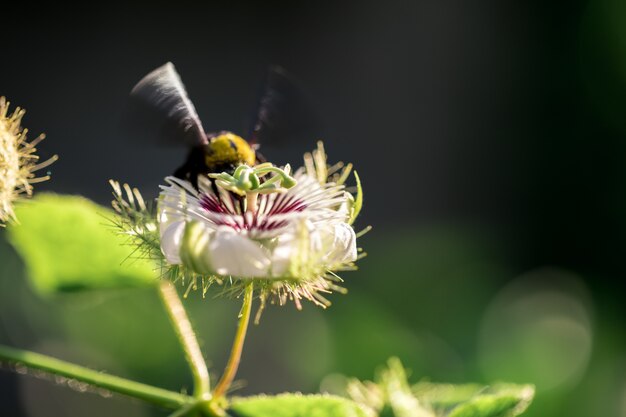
[491,140]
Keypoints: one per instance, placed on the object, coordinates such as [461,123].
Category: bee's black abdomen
[193,166]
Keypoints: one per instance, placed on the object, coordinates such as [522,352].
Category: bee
[159,101]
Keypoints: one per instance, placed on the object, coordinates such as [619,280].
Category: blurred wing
[160,102]
[283,111]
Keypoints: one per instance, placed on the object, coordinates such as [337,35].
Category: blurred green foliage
[69,243]
[392,395]
[436,298]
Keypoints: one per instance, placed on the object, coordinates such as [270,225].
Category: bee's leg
[260,159]
[187,173]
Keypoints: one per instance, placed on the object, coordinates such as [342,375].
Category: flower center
[272,211]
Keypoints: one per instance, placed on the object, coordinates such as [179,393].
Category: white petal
[339,243]
[346,206]
[232,254]
[283,254]
[171,238]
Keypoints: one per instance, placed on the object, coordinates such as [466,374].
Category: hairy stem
[185,410]
[187,338]
[158,396]
[235,352]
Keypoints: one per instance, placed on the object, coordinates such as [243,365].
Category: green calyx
[194,247]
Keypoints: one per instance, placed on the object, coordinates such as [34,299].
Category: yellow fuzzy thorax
[228,148]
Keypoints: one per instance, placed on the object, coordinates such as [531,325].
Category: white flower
[18,160]
[297,234]
[285,235]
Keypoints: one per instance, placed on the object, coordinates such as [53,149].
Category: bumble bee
[160,101]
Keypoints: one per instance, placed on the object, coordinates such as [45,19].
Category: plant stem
[187,338]
[235,352]
[184,411]
[158,396]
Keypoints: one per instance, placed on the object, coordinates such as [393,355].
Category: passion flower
[288,233]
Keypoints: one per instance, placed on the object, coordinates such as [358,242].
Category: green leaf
[391,396]
[473,400]
[358,202]
[68,244]
[444,397]
[295,405]
[498,401]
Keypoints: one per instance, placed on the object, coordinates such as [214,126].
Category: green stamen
[246,180]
